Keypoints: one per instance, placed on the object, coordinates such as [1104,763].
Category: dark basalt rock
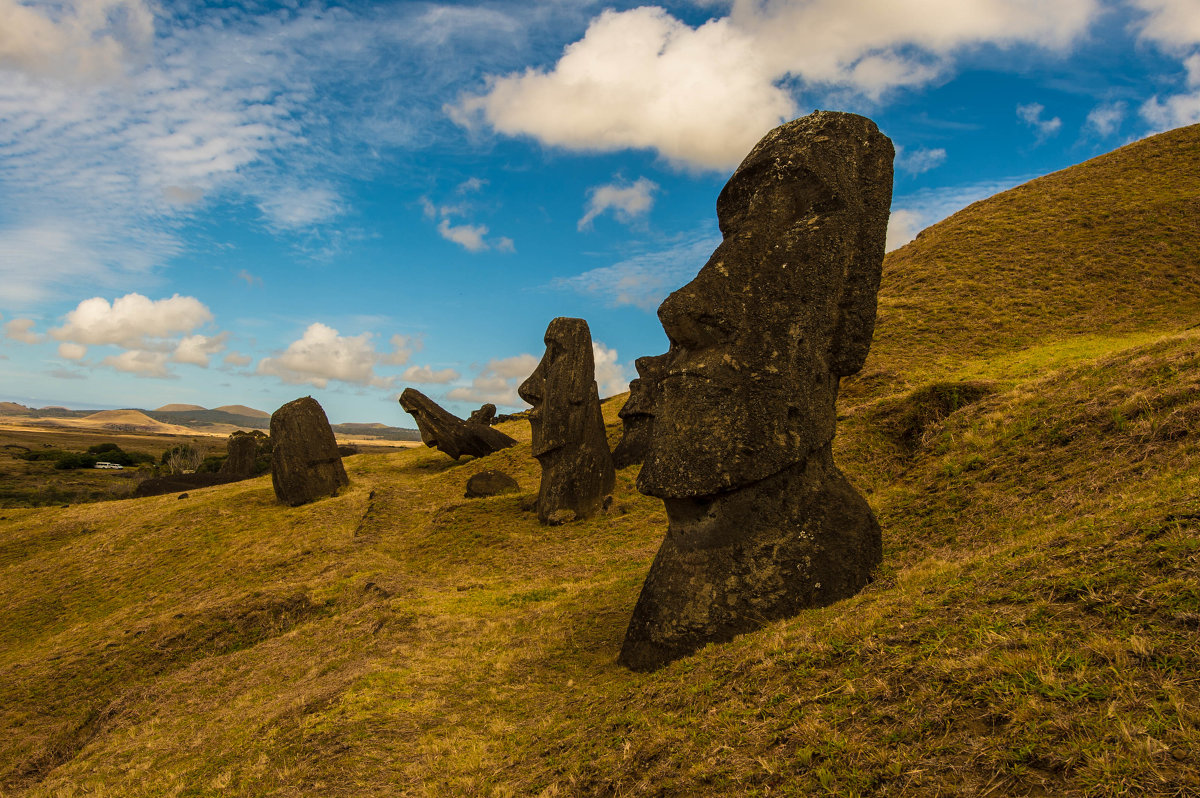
[484,415]
[173,483]
[346,450]
[569,440]
[305,464]
[636,418]
[242,448]
[490,483]
[761,524]
[447,432]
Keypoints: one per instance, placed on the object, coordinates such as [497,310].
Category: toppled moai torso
[484,415]
[636,418]
[447,432]
[761,524]
[242,450]
[569,440]
[305,464]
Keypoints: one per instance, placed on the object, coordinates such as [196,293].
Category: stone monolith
[305,464]
[761,523]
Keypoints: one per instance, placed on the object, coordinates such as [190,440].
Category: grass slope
[1035,629]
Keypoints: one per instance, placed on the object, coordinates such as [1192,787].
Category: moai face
[784,307]
[560,387]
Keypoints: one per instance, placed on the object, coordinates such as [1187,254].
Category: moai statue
[484,415]
[447,432]
[242,448]
[636,414]
[568,427]
[761,523]
[305,464]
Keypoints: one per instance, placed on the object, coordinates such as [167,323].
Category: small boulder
[490,483]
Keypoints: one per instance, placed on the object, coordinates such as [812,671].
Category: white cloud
[1031,114]
[1179,109]
[1104,120]
[403,347]
[79,38]
[196,349]
[322,354]
[920,160]
[22,330]
[467,236]
[140,362]
[132,321]
[427,375]
[903,226]
[610,375]
[470,185]
[703,96]
[627,201]
[72,351]
[644,280]
[497,382]
[1172,23]
[237,359]
[299,207]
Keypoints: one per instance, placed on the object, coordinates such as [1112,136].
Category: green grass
[1034,630]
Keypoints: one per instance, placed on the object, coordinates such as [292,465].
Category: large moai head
[637,414]
[783,308]
[569,440]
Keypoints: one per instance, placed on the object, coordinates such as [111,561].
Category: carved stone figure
[636,414]
[761,523]
[447,432]
[305,464]
[242,447]
[568,427]
[484,415]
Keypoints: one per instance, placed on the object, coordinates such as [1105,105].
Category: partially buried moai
[305,464]
[568,427]
[636,414]
[761,523]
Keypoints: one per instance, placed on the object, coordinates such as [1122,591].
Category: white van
[103,464]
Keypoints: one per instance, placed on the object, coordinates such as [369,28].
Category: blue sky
[242,203]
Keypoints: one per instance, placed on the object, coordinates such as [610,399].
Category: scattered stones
[490,483]
[305,464]
[484,415]
[761,524]
[569,440]
[636,414]
[447,432]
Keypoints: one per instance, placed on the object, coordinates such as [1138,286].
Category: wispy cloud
[920,160]
[1031,115]
[626,200]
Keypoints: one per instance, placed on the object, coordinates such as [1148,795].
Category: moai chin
[569,440]
[761,523]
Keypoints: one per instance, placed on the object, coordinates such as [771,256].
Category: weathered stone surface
[305,464]
[242,447]
[636,414]
[484,415]
[568,427]
[490,483]
[447,432]
[761,524]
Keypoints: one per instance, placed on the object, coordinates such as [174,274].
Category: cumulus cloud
[626,200]
[322,354]
[139,362]
[903,226]
[72,351]
[403,347]
[920,160]
[1105,119]
[1031,115]
[22,330]
[1178,109]
[1172,23]
[497,382]
[427,375]
[132,322]
[237,359]
[611,377]
[196,349]
[467,236]
[80,38]
[644,279]
[702,96]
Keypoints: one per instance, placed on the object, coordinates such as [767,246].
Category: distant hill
[178,408]
[242,410]
[14,409]
[381,431]
[1110,247]
[129,421]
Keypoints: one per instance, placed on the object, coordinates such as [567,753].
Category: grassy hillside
[1035,629]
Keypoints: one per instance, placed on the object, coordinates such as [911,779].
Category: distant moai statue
[305,464]
[761,523]
[484,415]
[447,432]
[569,440]
[637,414]
[242,450]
